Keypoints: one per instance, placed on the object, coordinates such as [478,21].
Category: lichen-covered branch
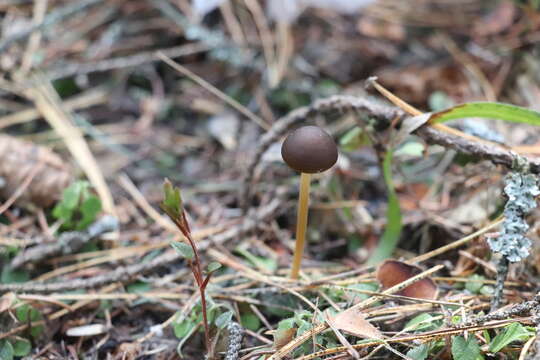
[67,243]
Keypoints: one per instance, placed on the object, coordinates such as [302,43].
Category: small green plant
[14,347]
[184,326]
[78,207]
[17,346]
[172,205]
[298,324]
[466,349]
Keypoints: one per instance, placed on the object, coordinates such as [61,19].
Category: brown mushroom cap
[309,149]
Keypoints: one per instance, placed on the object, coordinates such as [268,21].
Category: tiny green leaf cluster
[172,201]
[218,315]
[78,207]
[303,321]
[15,347]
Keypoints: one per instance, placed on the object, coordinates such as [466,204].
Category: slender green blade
[390,237]
[487,110]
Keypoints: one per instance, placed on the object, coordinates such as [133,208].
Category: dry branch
[384,114]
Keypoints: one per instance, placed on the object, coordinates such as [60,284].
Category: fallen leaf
[393,272]
[283,337]
[353,322]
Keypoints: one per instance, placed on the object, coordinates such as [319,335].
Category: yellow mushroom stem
[301,224]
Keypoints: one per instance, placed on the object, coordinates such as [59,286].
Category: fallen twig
[68,243]
[125,273]
[50,19]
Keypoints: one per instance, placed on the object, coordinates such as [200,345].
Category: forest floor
[101,101]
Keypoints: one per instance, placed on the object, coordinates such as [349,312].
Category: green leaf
[6,350]
[172,201]
[224,319]
[355,297]
[390,237]
[422,322]
[183,249]
[410,149]
[10,276]
[78,206]
[303,326]
[488,110]
[90,208]
[511,333]
[138,287]
[62,212]
[465,349]
[353,139]
[262,263]
[21,347]
[250,321]
[184,328]
[213,266]
[286,324]
[475,286]
[419,352]
[25,314]
[73,194]
[70,199]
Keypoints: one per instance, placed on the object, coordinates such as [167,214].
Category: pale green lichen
[521,190]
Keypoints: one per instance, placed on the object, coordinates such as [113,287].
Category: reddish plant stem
[195,266]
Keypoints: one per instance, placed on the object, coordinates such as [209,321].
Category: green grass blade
[487,110]
[390,237]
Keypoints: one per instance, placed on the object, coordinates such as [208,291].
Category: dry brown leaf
[128,350]
[18,158]
[352,321]
[393,272]
[283,336]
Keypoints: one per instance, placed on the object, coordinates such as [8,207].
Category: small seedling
[78,208]
[309,150]
[173,207]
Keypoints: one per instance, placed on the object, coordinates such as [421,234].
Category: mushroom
[309,150]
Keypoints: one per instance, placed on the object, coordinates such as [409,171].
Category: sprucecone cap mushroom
[309,149]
